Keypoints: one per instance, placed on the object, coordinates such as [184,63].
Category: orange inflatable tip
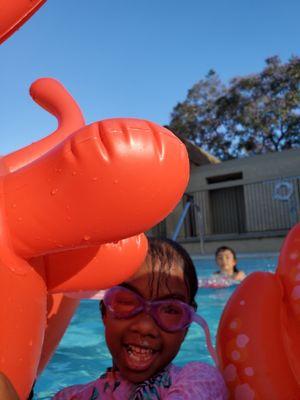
[14,13]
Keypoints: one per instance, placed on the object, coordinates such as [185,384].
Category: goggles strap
[201,321]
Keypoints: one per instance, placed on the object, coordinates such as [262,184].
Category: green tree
[252,115]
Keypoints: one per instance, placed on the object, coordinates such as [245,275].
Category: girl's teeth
[139,350]
[139,358]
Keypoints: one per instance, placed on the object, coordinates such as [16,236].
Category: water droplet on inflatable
[233,325]
[54,191]
[19,270]
[14,206]
[68,218]
[20,218]
[30,343]
[116,181]
[58,170]
[86,237]
[294,255]
[230,373]
[249,371]
[235,355]
[74,173]
[95,178]
[242,340]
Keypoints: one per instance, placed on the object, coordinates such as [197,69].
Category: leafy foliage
[252,115]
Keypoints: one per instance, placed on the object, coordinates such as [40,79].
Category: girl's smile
[139,358]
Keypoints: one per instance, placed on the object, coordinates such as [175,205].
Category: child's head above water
[226,260]
[144,337]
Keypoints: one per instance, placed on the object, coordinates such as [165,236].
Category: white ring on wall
[283,190]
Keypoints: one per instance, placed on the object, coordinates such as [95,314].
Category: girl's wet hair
[224,248]
[166,253]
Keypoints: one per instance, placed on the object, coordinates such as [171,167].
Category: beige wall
[262,167]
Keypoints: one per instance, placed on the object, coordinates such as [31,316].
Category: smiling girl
[146,320]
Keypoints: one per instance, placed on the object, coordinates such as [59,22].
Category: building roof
[197,155]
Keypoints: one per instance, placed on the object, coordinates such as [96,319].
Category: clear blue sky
[135,58]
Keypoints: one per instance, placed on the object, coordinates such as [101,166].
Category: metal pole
[201,229]
[181,220]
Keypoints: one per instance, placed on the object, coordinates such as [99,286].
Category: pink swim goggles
[171,315]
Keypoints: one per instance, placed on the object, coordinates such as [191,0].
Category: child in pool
[146,320]
[227,262]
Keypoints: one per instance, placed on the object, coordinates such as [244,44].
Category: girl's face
[139,347]
[226,261]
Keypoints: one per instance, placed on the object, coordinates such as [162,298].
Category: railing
[258,207]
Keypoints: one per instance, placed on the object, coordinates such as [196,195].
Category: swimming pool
[82,354]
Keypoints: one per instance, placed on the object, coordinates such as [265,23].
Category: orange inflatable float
[14,13]
[60,199]
[258,340]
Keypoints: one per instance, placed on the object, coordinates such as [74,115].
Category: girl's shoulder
[240,275]
[198,380]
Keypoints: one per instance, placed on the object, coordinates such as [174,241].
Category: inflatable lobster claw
[258,340]
[62,197]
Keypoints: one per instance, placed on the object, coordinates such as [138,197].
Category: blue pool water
[82,354]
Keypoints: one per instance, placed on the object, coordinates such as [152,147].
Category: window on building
[224,178]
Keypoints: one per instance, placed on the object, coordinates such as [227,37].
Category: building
[249,204]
